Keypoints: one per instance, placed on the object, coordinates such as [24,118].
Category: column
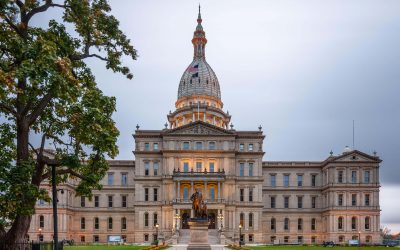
[175,191]
[205,190]
[204,117]
[222,193]
[219,191]
[178,221]
[179,189]
[191,188]
[224,219]
[193,117]
[213,120]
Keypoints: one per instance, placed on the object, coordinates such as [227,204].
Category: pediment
[356,155]
[199,128]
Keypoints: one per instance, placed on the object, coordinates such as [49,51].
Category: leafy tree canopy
[46,88]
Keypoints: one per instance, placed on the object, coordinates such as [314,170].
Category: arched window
[110,223]
[242,219]
[155,219]
[96,223]
[313,224]
[340,223]
[146,219]
[300,224]
[273,224]
[286,224]
[123,223]
[251,220]
[83,223]
[367,222]
[41,221]
[353,223]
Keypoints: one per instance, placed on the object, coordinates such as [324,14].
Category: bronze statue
[198,205]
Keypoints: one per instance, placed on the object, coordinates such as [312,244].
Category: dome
[199,79]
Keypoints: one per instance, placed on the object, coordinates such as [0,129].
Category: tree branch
[6,108]
[64,171]
[34,149]
[37,111]
[87,55]
[42,8]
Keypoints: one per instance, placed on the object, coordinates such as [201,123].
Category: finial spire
[199,38]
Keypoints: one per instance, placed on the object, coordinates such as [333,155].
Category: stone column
[191,188]
[219,191]
[204,116]
[193,118]
[222,191]
[175,191]
[179,190]
[205,190]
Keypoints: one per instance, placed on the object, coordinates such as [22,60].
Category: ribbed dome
[199,79]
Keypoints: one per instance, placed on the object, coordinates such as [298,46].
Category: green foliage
[46,88]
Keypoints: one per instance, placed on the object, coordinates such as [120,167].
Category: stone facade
[260,201]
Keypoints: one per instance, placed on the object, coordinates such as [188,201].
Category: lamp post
[359,238]
[240,235]
[40,233]
[221,218]
[156,234]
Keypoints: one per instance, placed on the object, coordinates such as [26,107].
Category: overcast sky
[304,70]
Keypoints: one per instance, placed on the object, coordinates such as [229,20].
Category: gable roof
[199,128]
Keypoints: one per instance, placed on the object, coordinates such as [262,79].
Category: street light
[156,234]
[240,235]
[359,238]
[221,218]
[40,233]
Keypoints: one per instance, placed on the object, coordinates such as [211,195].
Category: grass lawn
[316,248]
[105,247]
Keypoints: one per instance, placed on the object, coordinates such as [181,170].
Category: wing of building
[336,199]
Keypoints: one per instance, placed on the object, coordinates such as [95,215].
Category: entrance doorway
[211,219]
[185,219]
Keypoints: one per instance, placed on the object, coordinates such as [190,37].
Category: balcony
[208,201]
[204,175]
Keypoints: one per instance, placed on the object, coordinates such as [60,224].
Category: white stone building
[287,202]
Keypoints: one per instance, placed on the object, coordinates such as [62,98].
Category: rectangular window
[300,239]
[299,202]
[313,239]
[366,177]
[186,193]
[273,180]
[155,219]
[155,194]
[199,145]
[286,202]
[110,201]
[186,145]
[123,223]
[95,238]
[211,167]
[110,223]
[340,200]
[354,199]
[155,146]
[250,220]
[155,168]
[146,219]
[82,201]
[110,179]
[241,147]
[313,224]
[286,239]
[96,201]
[124,179]
[250,169]
[82,238]
[313,180]
[83,223]
[250,194]
[211,145]
[286,180]
[273,201]
[313,202]
[198,167]
[340,176]
[251,147]
[299,180]
[251,238]
[96,223]
[212,194]
[147,146]
[123,201]
[186,167]
[367,199]
[241,194]
[241,166]
[146,194]
[353,176]
[147,168]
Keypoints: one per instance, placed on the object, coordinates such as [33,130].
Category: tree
[385,232]
[47,89]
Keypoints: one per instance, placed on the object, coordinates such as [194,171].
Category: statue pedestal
[198,235]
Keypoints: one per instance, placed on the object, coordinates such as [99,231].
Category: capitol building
[248,197]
